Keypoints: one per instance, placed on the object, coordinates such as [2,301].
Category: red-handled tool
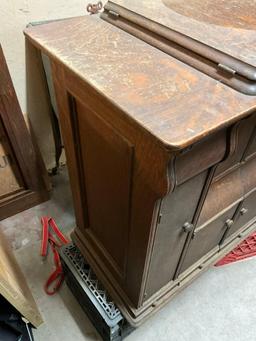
[57,276]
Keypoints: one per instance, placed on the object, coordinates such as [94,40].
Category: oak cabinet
[161,152]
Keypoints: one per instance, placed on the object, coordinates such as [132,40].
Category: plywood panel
[13,285]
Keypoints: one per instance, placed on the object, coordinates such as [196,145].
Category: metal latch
[113,13]
[188,227]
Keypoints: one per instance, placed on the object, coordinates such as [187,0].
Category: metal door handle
[229,222]
[243,211]
[187,227]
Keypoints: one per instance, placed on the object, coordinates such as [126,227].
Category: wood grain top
[174,102]
[228,26]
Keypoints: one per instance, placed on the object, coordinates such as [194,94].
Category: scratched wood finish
[224,21]
[232,14]
[30,183]
[146,84]
[161,160]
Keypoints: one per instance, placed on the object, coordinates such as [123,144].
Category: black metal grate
[91,281]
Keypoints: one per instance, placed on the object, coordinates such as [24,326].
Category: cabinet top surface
[228,26]
[174,102]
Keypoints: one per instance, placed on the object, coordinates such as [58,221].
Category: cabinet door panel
[106,172]
[245,214]
[206,238]
[177,208]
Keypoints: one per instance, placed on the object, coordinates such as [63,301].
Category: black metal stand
[92,296]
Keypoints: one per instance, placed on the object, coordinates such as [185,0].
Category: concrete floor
[220,305]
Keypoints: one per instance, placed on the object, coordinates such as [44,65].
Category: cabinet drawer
[229,189]
[251,150]
[207,237]
[222,194]
[245,213]
[201,156]
[240,137]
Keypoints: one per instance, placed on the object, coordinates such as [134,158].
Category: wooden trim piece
[35,180]
[21,201]
[13,285]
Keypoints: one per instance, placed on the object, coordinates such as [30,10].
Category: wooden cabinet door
[207,238]
[177,209]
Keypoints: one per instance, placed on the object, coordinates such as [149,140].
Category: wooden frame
[27,164]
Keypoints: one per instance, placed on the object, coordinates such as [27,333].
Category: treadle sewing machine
[157,106]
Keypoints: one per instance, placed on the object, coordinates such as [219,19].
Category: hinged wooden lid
[173,102]
[215,37]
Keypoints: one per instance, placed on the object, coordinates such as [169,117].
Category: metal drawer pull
[229,223]
[187,227]
[243,211]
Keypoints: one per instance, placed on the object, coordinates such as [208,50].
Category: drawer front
[201,156]
[251,149]
[245,214]
[222,194]
[240,137]
[207,237]
[227,190]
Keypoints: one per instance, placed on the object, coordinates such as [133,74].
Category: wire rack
[83,269]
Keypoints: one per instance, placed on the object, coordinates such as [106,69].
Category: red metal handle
[57,276]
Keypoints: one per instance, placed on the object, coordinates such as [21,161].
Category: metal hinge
[159,218]
[226,68]
[113,13]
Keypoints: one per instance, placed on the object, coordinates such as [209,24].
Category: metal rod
[244,69]
[181,53]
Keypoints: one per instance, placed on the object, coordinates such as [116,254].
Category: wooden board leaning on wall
[24,181]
